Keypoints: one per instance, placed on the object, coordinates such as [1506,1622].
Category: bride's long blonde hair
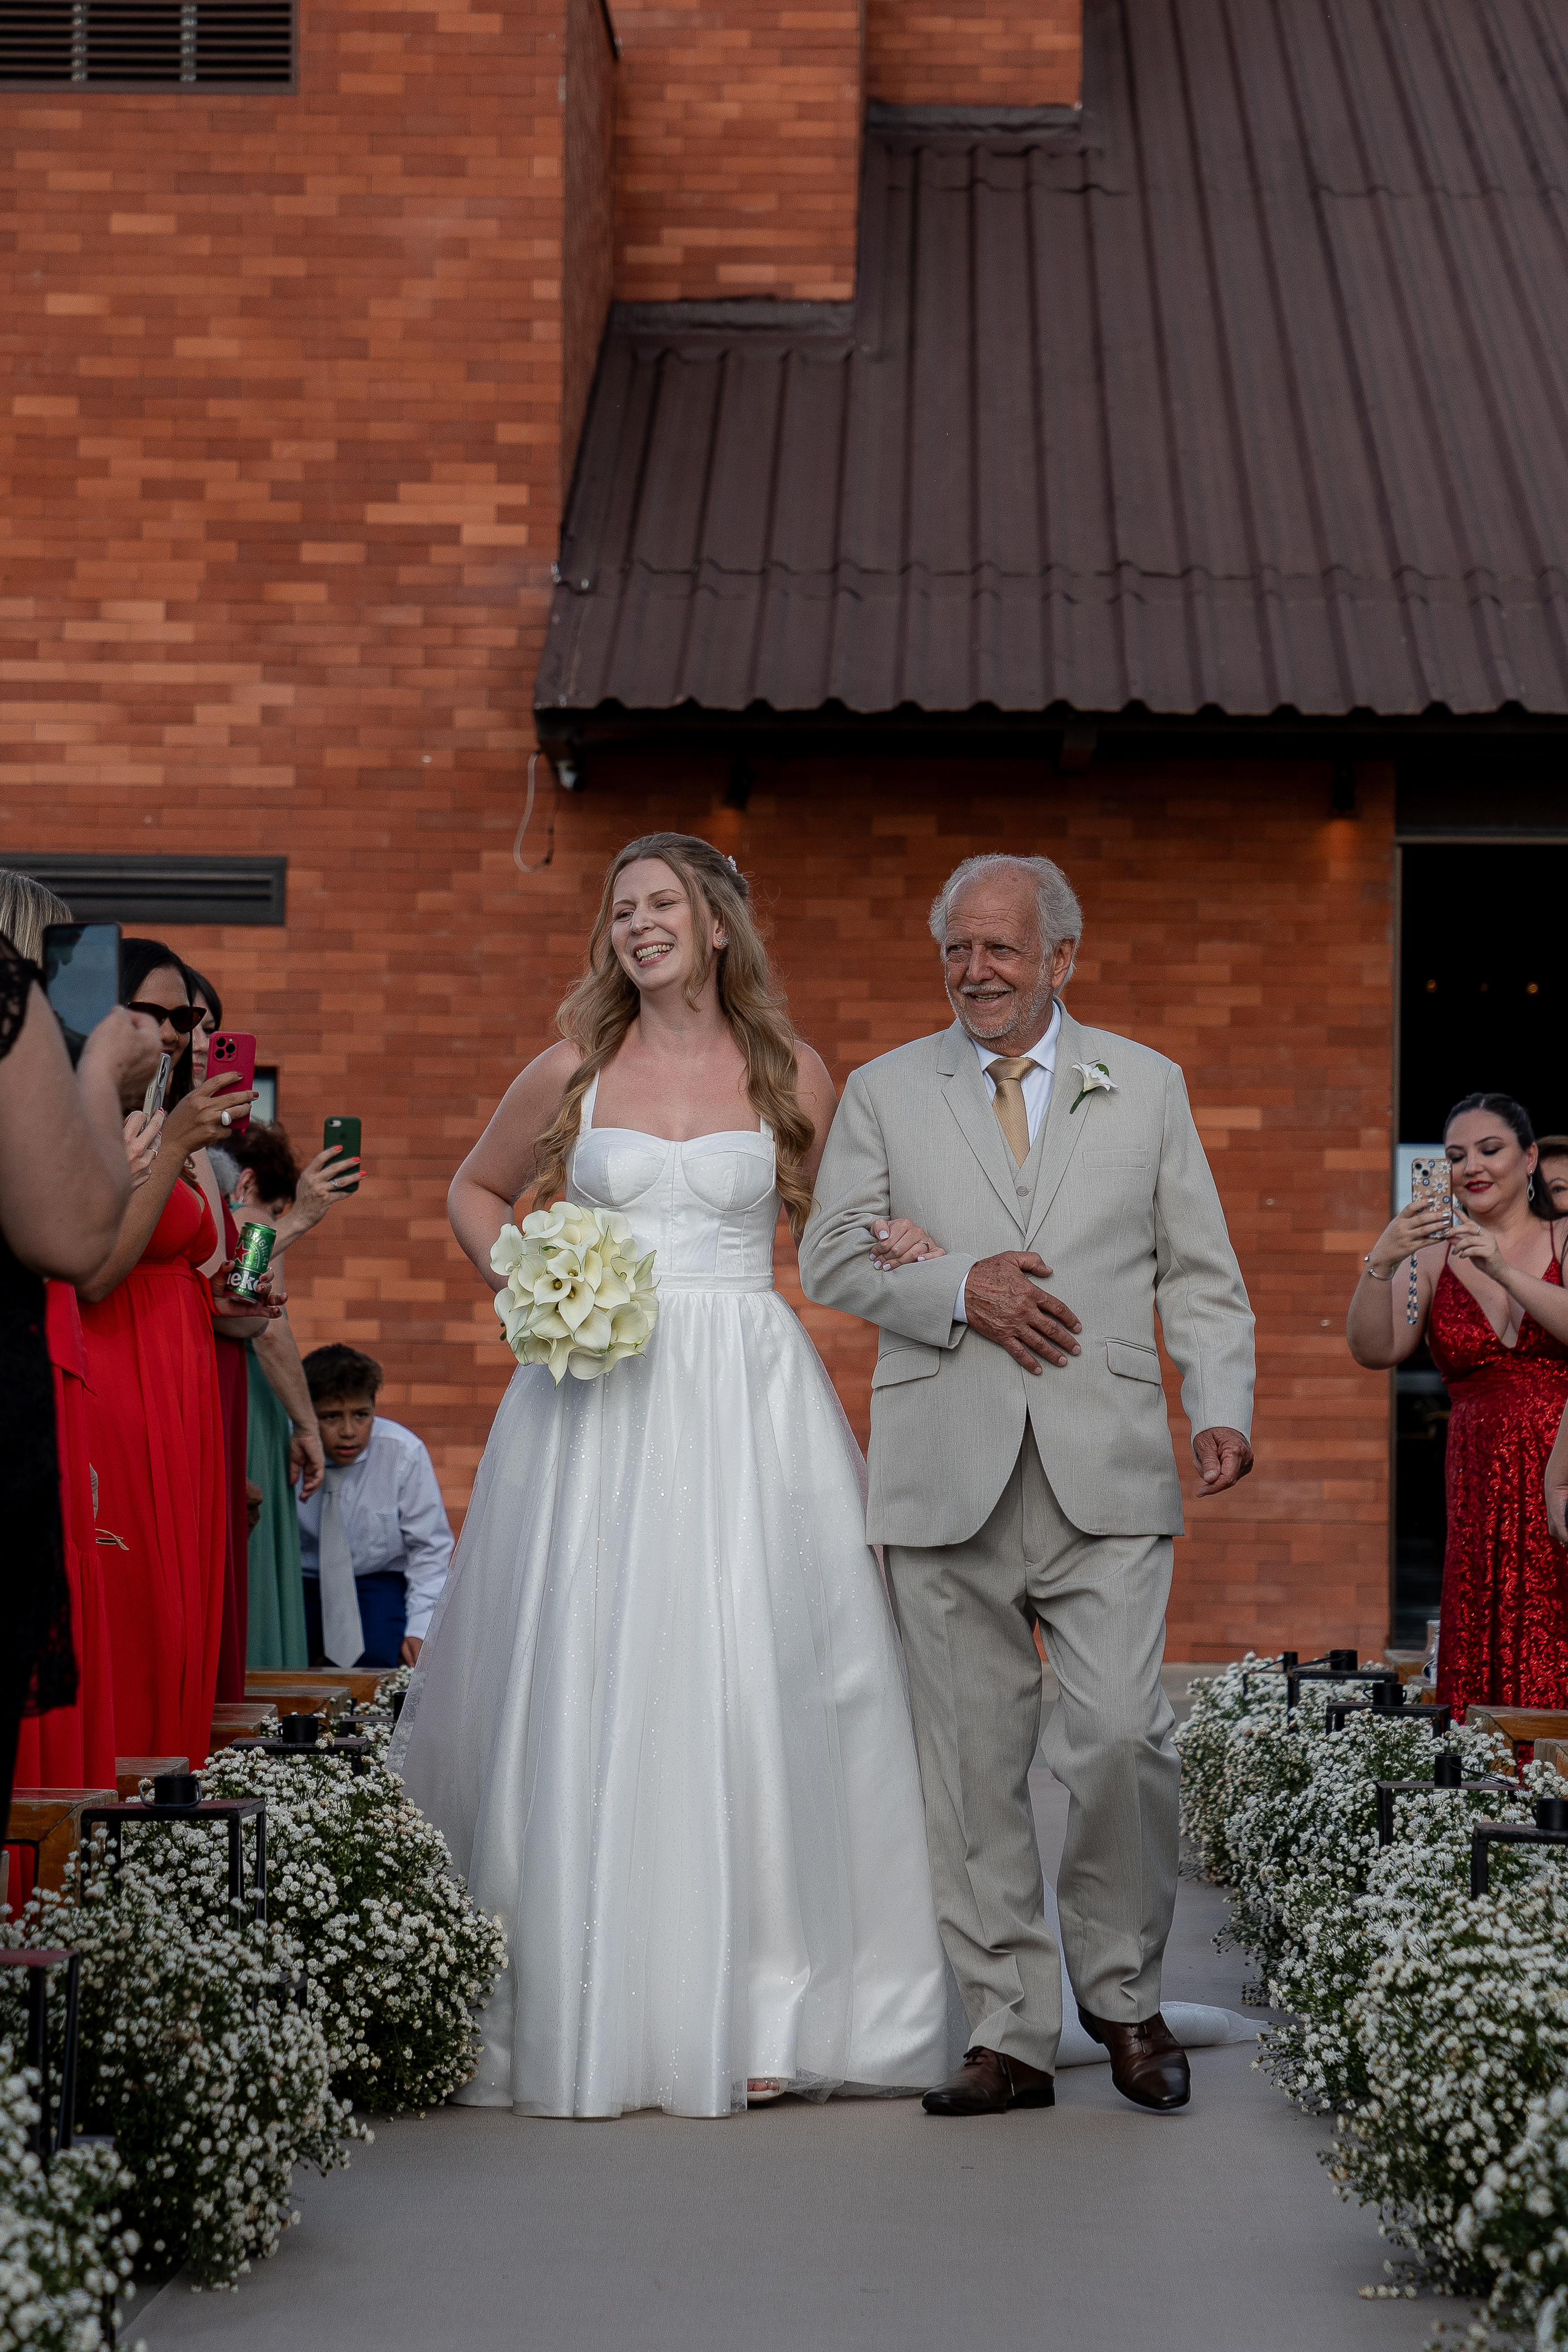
[599,1010]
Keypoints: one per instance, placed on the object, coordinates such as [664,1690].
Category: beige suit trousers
[967,1612]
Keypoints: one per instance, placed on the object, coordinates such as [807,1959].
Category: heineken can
[250,1260]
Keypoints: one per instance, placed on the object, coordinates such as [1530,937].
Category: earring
[1530,1188]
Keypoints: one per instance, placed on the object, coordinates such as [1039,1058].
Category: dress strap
[585,1118]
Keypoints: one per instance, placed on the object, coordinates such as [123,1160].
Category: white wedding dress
[661,1715]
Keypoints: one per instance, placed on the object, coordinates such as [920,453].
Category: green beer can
[251,1259]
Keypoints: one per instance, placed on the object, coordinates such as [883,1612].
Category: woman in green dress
[265,1187]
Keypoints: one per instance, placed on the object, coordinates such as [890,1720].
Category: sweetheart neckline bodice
[706,1205]
[714,1135]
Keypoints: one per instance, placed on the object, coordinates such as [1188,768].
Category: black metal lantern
[1334,1670]
[56,2129]
[233,1812]
[1389,1701]
[306,1745]
[1550,1827]
[1448,1772]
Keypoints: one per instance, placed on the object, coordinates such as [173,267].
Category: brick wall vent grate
[146,44]
[106,890]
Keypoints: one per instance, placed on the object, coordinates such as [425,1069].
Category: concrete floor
[863,2227]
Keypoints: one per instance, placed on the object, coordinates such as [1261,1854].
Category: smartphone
[345,1133]
[1432,1181]
[157,1093]
[231,1054]
[81,977]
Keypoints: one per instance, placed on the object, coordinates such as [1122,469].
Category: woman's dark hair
[138,959]
[1514,1117]
[337,1373]
[198,985]
[267,1151]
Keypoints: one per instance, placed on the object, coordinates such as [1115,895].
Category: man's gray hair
[1055,900]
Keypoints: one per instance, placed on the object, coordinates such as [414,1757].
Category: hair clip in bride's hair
[730,863]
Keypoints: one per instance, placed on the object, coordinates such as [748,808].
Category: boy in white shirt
[374,1539]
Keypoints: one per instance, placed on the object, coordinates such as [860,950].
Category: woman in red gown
[155,1424]
[74,1746]
[1490,1300]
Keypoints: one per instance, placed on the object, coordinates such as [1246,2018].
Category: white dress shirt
[1037,1088]
[394,1518]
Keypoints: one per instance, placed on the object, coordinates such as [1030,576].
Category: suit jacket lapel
[1058,1137]
[970,1105]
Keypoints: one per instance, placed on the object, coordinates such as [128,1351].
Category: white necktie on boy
[342,1634]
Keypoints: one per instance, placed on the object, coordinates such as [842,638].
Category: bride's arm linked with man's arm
[836,1249]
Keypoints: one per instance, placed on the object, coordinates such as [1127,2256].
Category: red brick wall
[280,441]
[974,52]
[588,271]
[739,149]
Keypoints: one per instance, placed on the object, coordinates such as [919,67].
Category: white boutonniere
[1095,1078]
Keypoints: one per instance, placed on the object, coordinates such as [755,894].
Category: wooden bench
[130,1771]
[1521,1727]
[361,1683]
[250,1718]
[301,1694]
[47,1824]
[1409,1664]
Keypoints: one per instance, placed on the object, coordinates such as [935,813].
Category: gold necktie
[1007,1076]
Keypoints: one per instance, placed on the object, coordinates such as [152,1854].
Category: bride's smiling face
[653,929]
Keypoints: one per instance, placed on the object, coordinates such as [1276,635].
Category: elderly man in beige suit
[1022,1470]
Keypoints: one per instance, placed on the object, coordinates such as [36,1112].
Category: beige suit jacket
[1117,1197]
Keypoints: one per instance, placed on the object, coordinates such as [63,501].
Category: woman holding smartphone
[155,1415]
[1486,1294]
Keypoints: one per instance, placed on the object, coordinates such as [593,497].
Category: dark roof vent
[161,889]
[146,44]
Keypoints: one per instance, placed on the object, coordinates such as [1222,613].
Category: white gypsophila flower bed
[64,2257]
[213,2086]
[1516,2226]
[1433,2025]
[397,1957]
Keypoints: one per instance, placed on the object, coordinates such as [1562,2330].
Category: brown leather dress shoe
[1148,2064]
[987,2084]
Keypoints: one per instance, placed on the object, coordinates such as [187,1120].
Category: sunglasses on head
[182,1018]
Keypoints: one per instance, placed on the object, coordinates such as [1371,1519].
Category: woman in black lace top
[64,1183]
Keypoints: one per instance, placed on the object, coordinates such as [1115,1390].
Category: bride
[660,1716]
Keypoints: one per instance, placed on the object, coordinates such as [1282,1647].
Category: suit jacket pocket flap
[1132,1360]
[904,1364]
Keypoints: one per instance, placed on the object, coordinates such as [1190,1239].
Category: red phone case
[232,1054]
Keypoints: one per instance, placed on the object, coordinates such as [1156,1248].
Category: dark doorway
[1483,996]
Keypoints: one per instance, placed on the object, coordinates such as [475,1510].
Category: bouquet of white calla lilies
[575,1296]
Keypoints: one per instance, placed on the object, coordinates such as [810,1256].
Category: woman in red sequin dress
[1489,1301]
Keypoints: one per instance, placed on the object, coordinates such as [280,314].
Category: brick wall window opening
[142,892]
[147,43]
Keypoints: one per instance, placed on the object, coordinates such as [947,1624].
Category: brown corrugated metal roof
[1247,391]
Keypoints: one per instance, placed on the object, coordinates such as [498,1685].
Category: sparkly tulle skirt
[661,1718]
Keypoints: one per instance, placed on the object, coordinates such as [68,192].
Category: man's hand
[1001,1302]
[307,1462]
[1224,1459]
[412,1648]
